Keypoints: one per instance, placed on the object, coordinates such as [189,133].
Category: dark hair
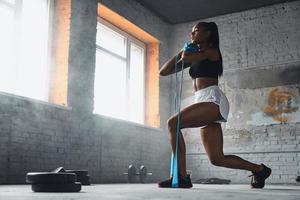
[213,38]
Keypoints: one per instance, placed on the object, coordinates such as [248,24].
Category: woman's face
[199,34]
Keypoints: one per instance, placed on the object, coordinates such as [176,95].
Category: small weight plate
[79,173]
[131,173]
[143,173]
[84,180]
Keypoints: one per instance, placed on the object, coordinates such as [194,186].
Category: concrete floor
[151,192]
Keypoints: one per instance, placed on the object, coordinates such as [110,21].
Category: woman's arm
[169,67]
[188,58]
[196,57]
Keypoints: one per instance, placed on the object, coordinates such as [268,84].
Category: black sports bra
[205,68]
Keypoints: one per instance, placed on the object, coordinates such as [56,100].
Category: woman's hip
[216,95]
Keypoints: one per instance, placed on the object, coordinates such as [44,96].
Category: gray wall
[261,56]
[37,136]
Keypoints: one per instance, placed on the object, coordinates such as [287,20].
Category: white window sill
[128,122]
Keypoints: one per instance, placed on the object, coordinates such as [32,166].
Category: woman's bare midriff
[200,83]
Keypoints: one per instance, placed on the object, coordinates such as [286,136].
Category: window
[119,75]
[24,47]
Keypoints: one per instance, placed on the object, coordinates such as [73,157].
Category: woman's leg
[196,115]
[212,139]
[181,155]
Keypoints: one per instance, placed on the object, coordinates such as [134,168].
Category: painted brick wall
[261,57]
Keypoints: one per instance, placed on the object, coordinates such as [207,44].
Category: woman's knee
[217,161]
[172,123]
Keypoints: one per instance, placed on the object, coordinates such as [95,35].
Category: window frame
[17,46]
[129,40]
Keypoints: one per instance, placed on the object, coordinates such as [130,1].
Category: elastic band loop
[174,161]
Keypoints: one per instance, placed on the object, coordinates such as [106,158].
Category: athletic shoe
[183,182]
[258,178]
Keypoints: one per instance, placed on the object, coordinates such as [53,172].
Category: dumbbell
[132,173]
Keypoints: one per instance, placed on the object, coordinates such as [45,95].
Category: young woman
[211,107]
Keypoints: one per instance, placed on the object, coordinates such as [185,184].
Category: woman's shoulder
[213,54]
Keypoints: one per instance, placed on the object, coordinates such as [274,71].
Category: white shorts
[214,94]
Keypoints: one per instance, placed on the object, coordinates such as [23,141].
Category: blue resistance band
[177,99]
[174,160]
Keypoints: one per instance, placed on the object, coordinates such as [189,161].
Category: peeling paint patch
[283,107]
[280,104]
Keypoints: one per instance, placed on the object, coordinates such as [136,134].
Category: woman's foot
[184,182]
[166,183]
[258,178]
